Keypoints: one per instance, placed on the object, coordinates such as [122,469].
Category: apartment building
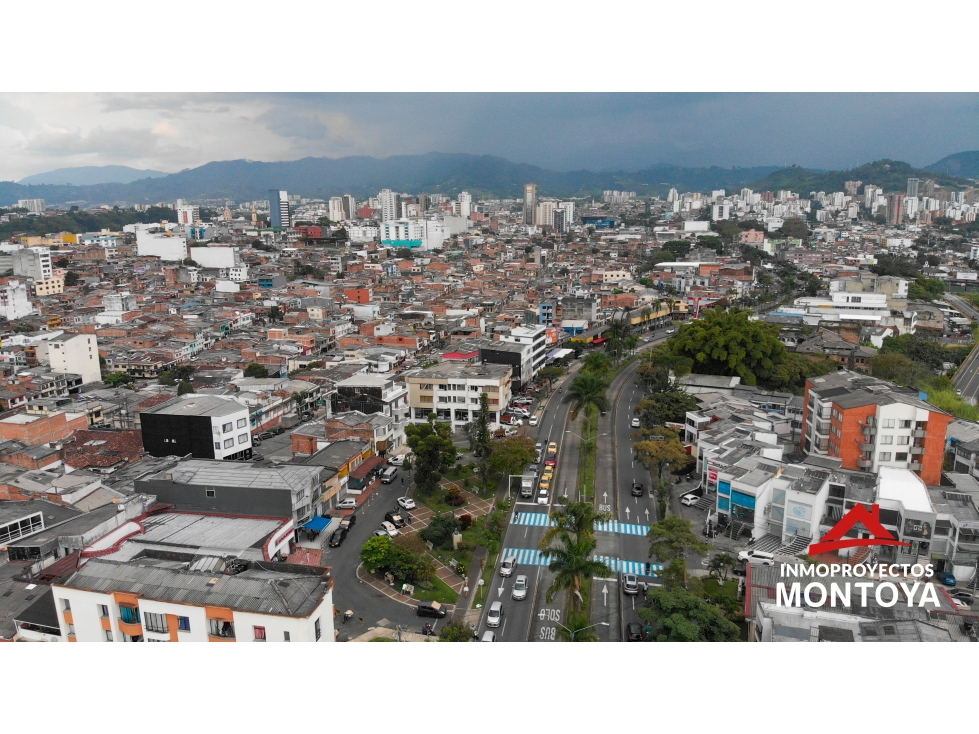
[536,336]
[868,424]
[72,354]
[154,601]
[451,390]
[33,262]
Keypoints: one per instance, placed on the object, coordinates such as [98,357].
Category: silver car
[519,588]
[506,568]
[494,617]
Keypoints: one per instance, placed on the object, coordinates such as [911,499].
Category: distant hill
[964,164]
[363,176]
[88,175]
[892,176]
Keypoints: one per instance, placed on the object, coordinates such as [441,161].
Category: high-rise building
[545,213]
[558,221]
[568,208]
[530,203]
[424,201]
[349,207]
[852,187]
[33,262]
[279,209]
[390,204]
[15,303]
[895,208]
[34,206]
[913,186]
[465,204]
[336,210]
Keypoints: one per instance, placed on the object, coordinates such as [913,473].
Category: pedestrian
[402,481]
[465,590]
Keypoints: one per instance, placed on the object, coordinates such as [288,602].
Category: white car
[670,330]
[348,503]
[495,614]
[488,636]
[389,528]
[760,557]
[506,568]
[636,423]
[960,605]
[533,420]
[398,460]
[542,497]
[538,447]
[519,588]
[689,499]
[522,412]
[406,503]
[522,401]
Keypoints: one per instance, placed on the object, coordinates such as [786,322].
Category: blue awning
[319,524]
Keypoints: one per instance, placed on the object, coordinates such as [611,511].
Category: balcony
[865,463]
[867,430]
[914,466]
[822,428]
[866,447]
[917,449]
[220,631]
[919,433]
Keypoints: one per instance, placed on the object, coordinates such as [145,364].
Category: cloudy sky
[170,132]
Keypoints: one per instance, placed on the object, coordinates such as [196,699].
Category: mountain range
[449,173]
[87,175]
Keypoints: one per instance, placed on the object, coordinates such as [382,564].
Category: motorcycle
[428,631]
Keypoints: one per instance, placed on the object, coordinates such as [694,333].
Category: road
[967,377]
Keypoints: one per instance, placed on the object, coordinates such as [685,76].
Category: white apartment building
[465,204]
[215,257]
[390,203]
[535,335]
[451,390]
[188,214]
[33,262]
[150,601]
[76,354]
[336,211]
[15,302]
[34,206]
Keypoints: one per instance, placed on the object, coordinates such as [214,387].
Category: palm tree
[587,389]
[576,520]
[570,563]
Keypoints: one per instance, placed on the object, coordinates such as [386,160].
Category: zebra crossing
[534,557]
[542,519]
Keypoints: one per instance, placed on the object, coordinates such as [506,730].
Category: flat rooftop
[233,474]
[206,405]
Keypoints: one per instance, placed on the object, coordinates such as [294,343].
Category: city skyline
[601,132]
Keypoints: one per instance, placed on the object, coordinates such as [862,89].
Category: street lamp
[581,629]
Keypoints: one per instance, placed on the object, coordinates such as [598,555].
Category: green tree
[668,406]
[570,563]
[577,628]
[71,279]
[930,353]
[795,228]
[672,538]
[676,615]
[729,343]
[376,552]
[899,369]
[658,447]
[167,377]
[275,314]
[431,443]
[256,370]
[678,247]
[63,262]
[550,374]
[586,389]
[596,363]
[185,387]
[117,378]
[721,565]
[576,520]
[456,631]
[511,455]
[439,531]
[481,440]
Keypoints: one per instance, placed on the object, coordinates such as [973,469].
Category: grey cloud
[290,122]
[118,144]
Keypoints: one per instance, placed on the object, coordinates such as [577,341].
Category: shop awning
[319,524]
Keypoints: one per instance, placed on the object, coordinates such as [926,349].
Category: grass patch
[948,401]
[440,592]
[588,453]
[383,639]
[487,577]
[715,591]
[437,504]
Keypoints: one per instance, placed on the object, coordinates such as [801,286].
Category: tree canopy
[677,615]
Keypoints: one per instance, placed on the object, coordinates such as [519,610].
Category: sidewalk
[390,592]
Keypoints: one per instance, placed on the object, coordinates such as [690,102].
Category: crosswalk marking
[533,557]
[542,519]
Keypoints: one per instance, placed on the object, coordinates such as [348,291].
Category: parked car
[519,588]
[380,533]
[633,633]
[347,503]
[399,460]
[962,595]
[406,503]
[257,457]
[348,522]
[279,430]
[337,537]
[395,518]
[637,490]
[630,584]
[671,330]
[533,420]
[960,605]
[523,401]
[636,423]
[508,565]
[753,556]
[946,578]
[494,617]
[689,499]
[430,609]
[266,435]
[389,528]
[256,442]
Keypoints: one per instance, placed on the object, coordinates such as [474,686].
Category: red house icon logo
[870,519]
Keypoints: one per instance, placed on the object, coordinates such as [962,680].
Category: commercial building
[530,204]
[279,217]
[371,393]
[452,391]
[161,244]
[156,600]
[869,424]
[535,336]
[204,426]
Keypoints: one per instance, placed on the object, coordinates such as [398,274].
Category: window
[887,439]
[243,438]
[316,628]
[183,623]
[242,422]
[888,423]
[259,634]
[155,622]
[884,456]
[226,427]
[217,444]
[108,635]
[905,424]
[900,456]
[208,492]
[229,443]
[903,440]
[285,637]
[129,615]
[66,605]
[103,610]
